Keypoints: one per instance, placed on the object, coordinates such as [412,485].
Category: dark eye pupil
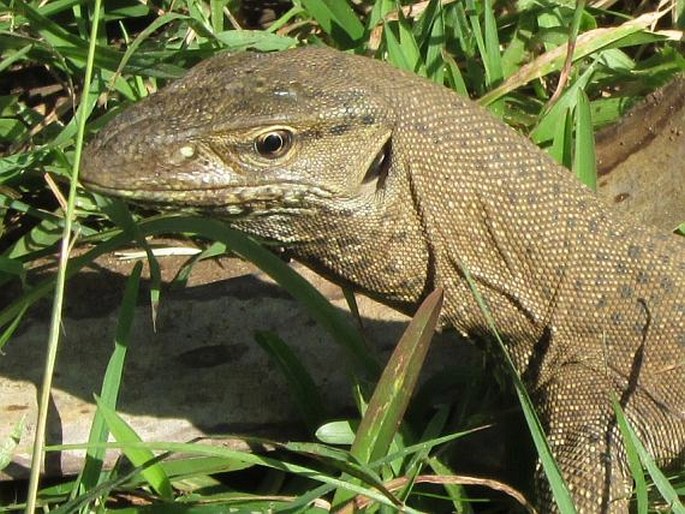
[273,144]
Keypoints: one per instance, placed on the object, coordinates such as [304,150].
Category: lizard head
[296,147]
[250,137]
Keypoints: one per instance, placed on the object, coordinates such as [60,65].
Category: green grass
[509,59]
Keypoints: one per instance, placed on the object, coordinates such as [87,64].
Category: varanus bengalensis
[396,186]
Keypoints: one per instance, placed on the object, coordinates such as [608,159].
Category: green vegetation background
[70,66]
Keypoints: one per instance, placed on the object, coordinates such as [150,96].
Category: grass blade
[435,42]
[395,387]
[321,310]
[556,481]
[403,50]
[584,162]
[337,19]
[492,57]
[660,480]
[305,394]
[547,126]
[562,146]
[391,396]
[8,445]
[12,326]
[111,382]
[247,458]
[633,460]
[56,318]
[138,455]
[587,43]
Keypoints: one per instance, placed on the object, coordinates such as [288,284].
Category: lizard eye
[274,144]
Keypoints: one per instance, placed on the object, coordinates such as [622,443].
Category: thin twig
[570,50]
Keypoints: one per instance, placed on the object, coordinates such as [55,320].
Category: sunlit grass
[509,60]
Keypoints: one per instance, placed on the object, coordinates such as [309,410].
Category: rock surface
[202,373]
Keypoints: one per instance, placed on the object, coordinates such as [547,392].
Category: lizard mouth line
[290,193]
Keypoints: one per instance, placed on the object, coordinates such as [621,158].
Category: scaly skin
[395,186]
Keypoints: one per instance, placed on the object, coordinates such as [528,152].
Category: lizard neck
[391,266]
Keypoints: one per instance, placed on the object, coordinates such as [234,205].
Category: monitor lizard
[396,186]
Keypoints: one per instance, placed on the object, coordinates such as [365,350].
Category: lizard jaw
[237,201]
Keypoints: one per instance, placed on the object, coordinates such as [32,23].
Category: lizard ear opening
[378,171]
